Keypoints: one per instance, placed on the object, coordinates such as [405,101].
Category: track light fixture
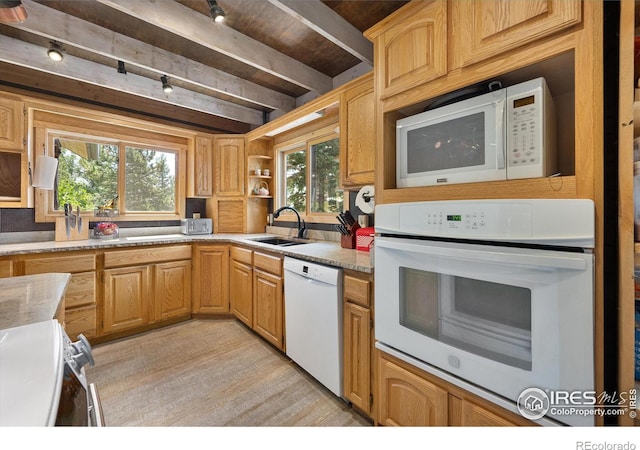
[55,51]
[216,13]
[165,84]
[121,68]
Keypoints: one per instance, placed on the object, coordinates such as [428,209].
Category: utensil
[79,219]
[66,220]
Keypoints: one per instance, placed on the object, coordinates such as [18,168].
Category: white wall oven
[495,296]
[42,378]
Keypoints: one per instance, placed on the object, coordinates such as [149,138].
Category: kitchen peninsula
[32,298]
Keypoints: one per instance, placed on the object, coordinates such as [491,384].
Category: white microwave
[506,134]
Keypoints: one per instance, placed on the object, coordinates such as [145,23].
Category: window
[140,172]
[311,177]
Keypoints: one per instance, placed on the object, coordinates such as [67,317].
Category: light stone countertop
[31,298]
[323,252]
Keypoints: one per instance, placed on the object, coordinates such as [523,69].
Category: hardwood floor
[209,373]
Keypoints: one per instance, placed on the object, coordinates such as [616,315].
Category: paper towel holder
[45,173]
[365,199]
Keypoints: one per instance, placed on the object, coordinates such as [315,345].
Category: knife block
[349,241]
[74,234]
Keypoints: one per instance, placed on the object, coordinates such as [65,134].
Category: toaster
[196,226]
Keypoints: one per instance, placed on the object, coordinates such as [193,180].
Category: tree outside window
[88,176]
[311,177]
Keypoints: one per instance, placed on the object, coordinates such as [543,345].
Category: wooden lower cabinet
[145,286]
[127,296]
[406,399]
[268,307]
[241,284]
[407,396]
[6,268]
[172,289]
[358,370]
[81,302]
[211,279]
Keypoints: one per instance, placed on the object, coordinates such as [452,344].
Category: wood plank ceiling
[265,59]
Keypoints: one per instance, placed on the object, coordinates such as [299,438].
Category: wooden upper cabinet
[481,29]
[11,124]
[410,47]
[201,168]
[229,165]
[357,134]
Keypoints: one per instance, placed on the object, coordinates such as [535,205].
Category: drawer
[64,264]
[357,291]
[242,255]
[149,255]
[80,320]
[268,263]
[81,290]
[6,268]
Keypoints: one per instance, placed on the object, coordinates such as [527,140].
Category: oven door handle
[95,408]
[467,253]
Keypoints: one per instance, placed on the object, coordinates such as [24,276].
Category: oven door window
[488,319]
[73,408]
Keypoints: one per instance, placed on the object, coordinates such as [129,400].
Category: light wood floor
[209,373]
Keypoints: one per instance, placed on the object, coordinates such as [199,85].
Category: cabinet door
[482,29]
[412,49]
[357,135]
[229,167]
[230,215]
[211,279]
[405,399]
[127,295]
[267,307]
[357,356]
[473,415]
[11,124]
[172,282]
[241,291]
[6,268]
[201,168]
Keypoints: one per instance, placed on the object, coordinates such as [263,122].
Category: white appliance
[495,296]
[505,134]
[313,314]
[42,378]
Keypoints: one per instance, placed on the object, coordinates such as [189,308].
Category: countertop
[323,252]
[31,298]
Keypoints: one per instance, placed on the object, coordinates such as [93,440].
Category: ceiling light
[216,13]
[55,51]
[165,84]
[12,11]
[121,67]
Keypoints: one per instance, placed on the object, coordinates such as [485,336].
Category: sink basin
[280,242]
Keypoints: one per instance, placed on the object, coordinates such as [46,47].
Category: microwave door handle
[501,132]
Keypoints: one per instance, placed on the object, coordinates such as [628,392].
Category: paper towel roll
[364,199]
[45,174]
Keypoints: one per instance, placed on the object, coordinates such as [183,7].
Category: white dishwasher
[313,316]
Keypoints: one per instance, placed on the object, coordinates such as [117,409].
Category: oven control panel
[565,222]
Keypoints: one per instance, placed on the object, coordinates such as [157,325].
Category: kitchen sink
[280,242]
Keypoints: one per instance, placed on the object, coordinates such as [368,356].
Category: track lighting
[121,68]
[216,13]
[55,51]
[165,84]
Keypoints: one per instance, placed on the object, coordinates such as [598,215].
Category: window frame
[76,128]
[303,143]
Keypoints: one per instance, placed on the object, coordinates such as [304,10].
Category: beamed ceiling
[265,59]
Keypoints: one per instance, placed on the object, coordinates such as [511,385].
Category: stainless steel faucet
[301,225]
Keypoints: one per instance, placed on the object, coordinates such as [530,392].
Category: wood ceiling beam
[326,22]
[15,51]
[189,24]
[53,24]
